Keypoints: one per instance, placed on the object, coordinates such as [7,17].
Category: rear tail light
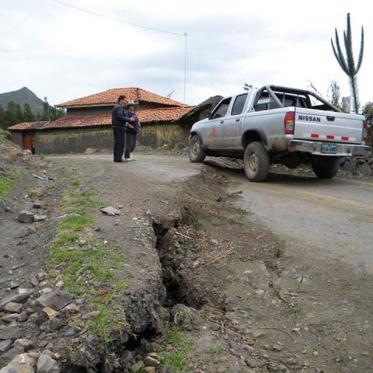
[365,131]
[289,123]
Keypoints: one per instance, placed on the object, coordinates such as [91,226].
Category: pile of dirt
[359,166]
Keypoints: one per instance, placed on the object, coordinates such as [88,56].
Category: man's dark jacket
[119,116]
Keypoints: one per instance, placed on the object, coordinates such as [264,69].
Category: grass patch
[214,350]
[89,272]
[79,201]
[4,135]
[7,182]
[35,193]
[177,359]
[75,223]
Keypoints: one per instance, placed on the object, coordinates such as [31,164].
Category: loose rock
[13,307]
[39,217]
[149,369]
[137,367]
[10,332]
[10,317]
[22,363]
[56,299]
[25,217]
[47,365]
[14,284]
[110,211]
[151,361]
[18,297]
[24,343]
[5,345]
[37,205]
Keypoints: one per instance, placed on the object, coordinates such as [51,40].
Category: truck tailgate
[330,126]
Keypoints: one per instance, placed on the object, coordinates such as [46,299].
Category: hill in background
[21,97]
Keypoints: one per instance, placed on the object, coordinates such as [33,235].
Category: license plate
[329,148]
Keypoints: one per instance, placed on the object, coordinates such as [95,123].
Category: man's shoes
[120,160]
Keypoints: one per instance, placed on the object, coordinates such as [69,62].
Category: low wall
[163,134]
[17,137]
[78,140]
[72,140]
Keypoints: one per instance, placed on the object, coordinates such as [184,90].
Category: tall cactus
[346,61]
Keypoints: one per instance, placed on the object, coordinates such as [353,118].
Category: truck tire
[325,167]
[256,162]
[196,153]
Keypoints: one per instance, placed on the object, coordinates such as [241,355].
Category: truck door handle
[222,121]
[237,120]
[330,118]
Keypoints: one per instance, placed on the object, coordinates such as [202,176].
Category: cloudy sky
[63,53]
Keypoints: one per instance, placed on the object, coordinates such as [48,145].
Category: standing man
[119,119]
[132,128]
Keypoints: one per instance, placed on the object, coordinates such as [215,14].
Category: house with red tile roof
[87,123]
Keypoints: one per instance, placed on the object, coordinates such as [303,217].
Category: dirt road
[292,274]
[333,218]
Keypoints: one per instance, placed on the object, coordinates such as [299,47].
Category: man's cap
[132,103]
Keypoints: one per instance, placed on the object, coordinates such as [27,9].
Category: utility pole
[185,64]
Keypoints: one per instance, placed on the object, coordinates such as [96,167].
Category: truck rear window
[293,98]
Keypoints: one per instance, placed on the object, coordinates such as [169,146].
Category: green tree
[2,117]
[10,114]
[334,94]
[45,114]
[56,113]
[28,115]
[19,114]
[346,60]
[50,113]
[368,112]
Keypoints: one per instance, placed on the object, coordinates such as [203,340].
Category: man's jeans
[130,144]
[118,143]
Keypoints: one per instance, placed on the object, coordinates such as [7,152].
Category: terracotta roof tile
[147,116]
[110,96]
[27,126]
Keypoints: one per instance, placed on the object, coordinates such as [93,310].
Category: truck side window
[239,103]
[222,109]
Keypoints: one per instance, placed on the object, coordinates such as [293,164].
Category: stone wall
[78,140]
[72,140]
[163,134]
[17,137]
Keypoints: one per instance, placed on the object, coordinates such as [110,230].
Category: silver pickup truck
[279,125]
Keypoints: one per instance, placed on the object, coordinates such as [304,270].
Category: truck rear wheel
[196,153]
[325,167]
[256,162]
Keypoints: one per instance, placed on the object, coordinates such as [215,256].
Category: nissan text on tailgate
[279,125]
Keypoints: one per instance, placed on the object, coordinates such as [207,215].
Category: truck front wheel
[196,153]
[256,162]
[325,167]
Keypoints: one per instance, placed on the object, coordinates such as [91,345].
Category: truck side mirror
[209,115]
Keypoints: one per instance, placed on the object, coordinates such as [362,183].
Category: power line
[100,15]
[96,14]
[185,64]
